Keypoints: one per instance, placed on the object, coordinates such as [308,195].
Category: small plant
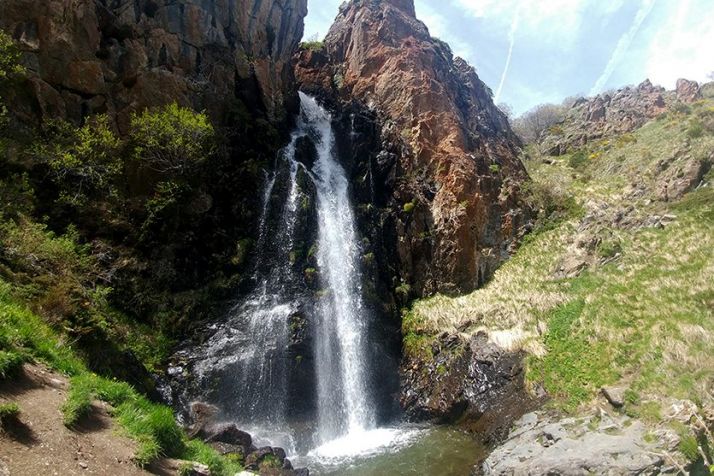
[695,130]
[409,207]
[314,45]
[494,168]
[8,412]
[172,140]
[403,290]
[578,159]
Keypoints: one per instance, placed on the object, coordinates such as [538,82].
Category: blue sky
[560,48]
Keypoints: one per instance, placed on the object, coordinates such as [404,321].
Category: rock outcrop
[597,445]
[448,167]
[613,113]
[120,56]
[470,381]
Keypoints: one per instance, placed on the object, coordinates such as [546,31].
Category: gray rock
[572,447]
[614,395]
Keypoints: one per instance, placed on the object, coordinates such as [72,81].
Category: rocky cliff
[614,112]
[120,56]
[445,169]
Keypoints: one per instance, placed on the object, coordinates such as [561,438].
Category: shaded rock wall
[449,155]
[120,56]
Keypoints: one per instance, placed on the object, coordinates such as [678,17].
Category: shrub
[494,168]
[312,45]
[84,162]
[696,130]
[532,125]
[578,159]
[8,411]
[172,140]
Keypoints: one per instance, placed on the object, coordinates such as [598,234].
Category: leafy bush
[312,45]
[172,140]
[84,162]
[8,411]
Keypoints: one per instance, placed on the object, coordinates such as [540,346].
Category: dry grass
[644,318]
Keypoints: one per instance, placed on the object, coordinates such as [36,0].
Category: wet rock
[475,382]
[305,151]
[539,445]
[226,433]
[272,462]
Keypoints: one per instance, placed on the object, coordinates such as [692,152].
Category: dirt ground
[41,445]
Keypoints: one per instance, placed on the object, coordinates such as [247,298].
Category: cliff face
[119,56]
[453,174]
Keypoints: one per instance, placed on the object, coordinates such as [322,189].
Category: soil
[39,443]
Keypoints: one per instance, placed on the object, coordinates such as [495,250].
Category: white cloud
[682,46]
[511,44]
[623,45]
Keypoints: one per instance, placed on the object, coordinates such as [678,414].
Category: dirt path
[41,444]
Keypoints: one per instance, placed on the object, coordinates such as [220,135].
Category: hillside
[613,289]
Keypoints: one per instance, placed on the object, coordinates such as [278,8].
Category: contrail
[512,40]
[623,45]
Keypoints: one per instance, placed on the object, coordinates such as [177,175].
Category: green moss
[494,168]
[409,207]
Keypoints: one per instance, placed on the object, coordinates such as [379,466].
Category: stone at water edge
[540,445]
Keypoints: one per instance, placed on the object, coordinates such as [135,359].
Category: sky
[534,51]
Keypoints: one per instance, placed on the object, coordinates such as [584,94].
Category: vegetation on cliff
[613,288]
[68,219]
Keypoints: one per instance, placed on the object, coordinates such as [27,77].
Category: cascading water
[344,404]
[247,365]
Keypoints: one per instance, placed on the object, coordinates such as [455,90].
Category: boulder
[687,91]
[539,445]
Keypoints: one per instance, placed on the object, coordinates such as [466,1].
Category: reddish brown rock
[613,113]
[87,56]
[687,91]
[458,176]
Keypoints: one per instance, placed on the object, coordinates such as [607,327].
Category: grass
[25,337]
[8,411]
[642,316]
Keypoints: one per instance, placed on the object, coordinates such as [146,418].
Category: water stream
[247,362]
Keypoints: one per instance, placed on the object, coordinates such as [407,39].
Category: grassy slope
[25,337]
[644,319]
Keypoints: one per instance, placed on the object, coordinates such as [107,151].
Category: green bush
[578,159]
[84,162]
[8,411]
[172,140]
[312,45]
[695,130]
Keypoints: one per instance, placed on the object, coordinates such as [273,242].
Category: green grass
[641,316]
[9,411]
[25,337]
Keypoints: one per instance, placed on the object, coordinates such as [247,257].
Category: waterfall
[343,400]
[246,363]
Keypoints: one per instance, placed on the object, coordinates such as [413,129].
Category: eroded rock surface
[448,158]
[119,56]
